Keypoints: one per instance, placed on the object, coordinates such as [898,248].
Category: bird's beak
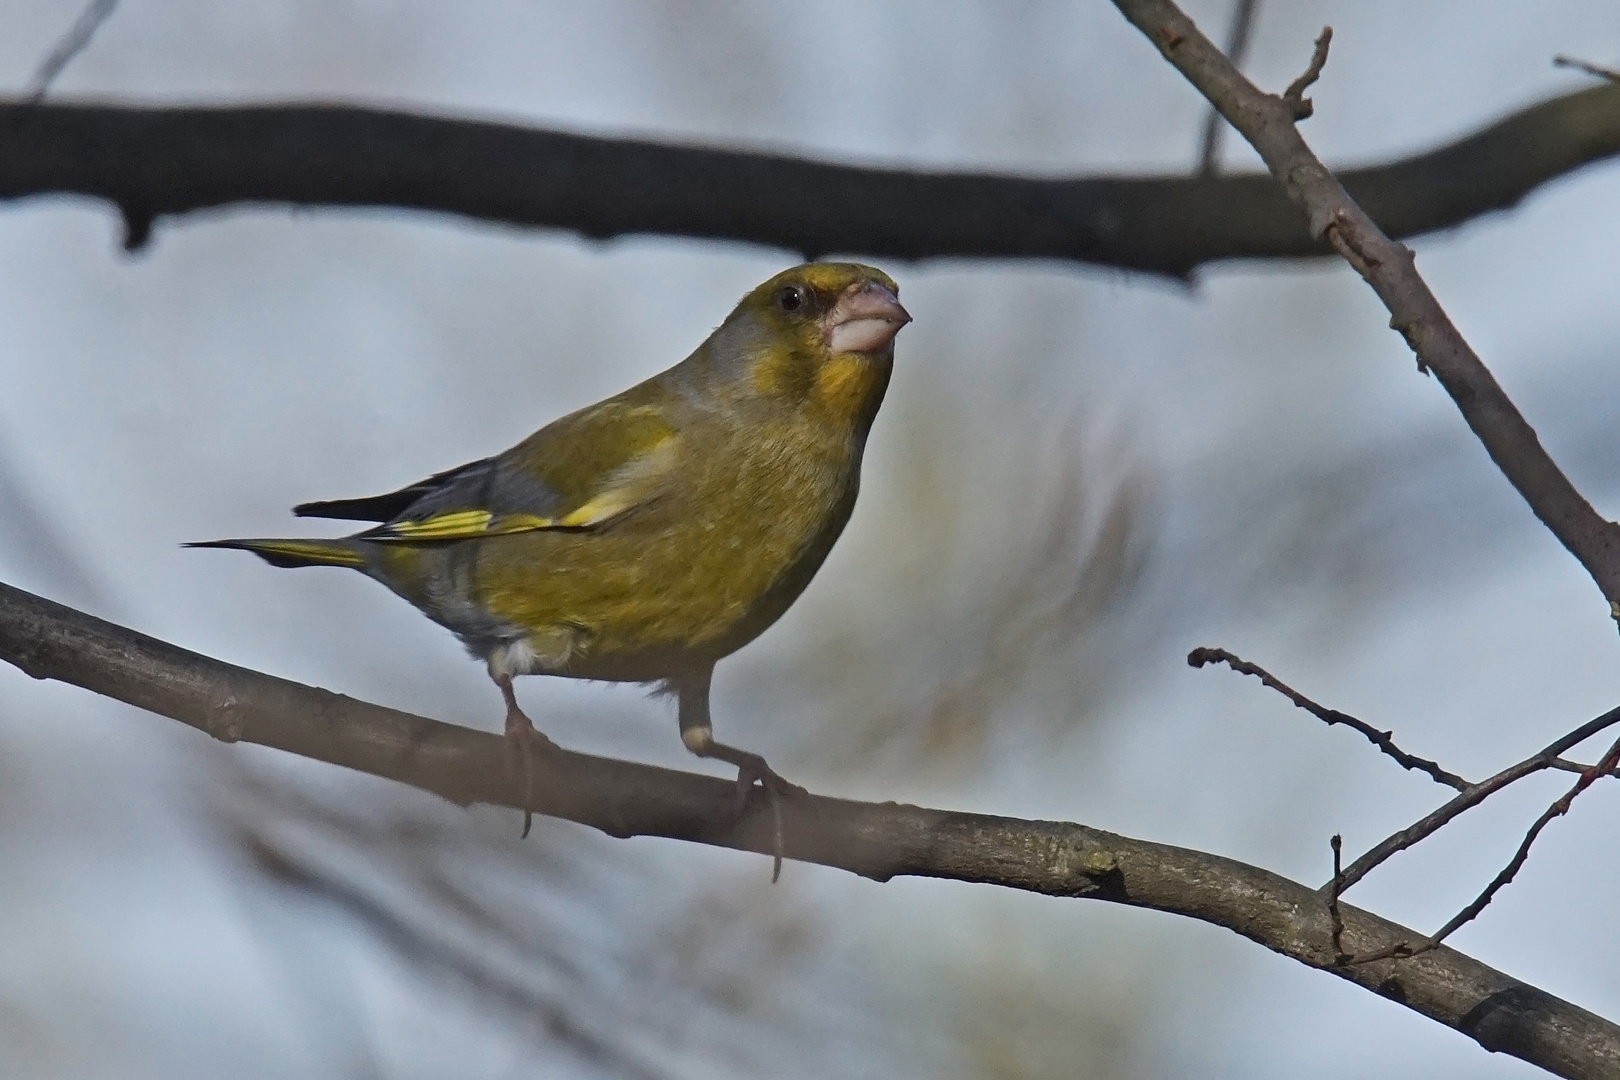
[865,319]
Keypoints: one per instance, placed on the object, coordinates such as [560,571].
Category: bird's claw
[768,779]
[523,741]
[775,789]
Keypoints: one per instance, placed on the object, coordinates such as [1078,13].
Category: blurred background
[1078,476]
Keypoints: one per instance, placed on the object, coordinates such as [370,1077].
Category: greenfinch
[643,538]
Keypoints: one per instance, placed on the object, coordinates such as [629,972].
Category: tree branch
[1469,796]
[1590,68]
[1472,796]
[1505,876]
[1267,121]
[153,162]
[74,42]
[1384,740]
[879,841]
[1238,37]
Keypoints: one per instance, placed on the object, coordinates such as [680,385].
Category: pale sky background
[1307,500]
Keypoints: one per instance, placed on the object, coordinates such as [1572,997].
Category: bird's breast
[767,527]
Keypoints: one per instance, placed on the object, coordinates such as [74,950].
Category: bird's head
[829,308]
[821,332]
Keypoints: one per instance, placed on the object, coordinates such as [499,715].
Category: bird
[646,537]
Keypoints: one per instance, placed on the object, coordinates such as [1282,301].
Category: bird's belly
[674,586]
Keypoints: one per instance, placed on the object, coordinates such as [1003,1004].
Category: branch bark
[879,841]
[1268,122]
[155,162]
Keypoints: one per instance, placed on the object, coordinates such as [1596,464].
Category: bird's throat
[849,387]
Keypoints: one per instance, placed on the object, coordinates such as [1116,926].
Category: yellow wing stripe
[465,524]
[444,526]
[598,510]
[623,489]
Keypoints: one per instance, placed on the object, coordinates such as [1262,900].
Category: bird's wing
[392,505]
[580,472]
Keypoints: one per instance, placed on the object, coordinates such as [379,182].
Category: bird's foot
[523,741]
[751,769]
[692,692]
[757,772]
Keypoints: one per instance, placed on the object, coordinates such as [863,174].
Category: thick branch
[879,841]
[159,161]
[1267,121]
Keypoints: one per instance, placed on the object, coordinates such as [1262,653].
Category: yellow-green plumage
[649,535]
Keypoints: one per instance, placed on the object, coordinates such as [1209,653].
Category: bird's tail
[290,553]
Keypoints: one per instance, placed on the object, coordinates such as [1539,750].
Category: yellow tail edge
[294,553]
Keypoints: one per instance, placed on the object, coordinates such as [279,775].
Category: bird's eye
[791,298]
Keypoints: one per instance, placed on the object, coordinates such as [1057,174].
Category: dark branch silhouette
[157,162]
[1588,67]
[1237,48]
[879,841]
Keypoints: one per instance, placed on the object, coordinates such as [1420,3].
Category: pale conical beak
[865,319]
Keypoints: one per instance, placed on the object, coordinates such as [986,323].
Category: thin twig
[1294,97]
[1335,916]
[74,42]
[1565,765]
[1590,68]
[1384,740]
[1237,47]
[1558,809]
[1547,758]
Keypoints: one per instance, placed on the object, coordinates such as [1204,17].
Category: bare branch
[154,163]
[1237,47]
[1558,809]
[1547,758]
[1336,843]
[74,42]
[1267,121]
[1590,68]
[879,841]
[1294,97]
[1384,740]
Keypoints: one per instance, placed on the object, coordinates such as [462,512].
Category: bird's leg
[697,732]
[522,739]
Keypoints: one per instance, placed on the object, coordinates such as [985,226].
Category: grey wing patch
[384,507]
[486,498]
[489,484]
